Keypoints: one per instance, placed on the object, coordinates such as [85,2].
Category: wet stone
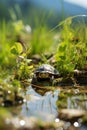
[71,115]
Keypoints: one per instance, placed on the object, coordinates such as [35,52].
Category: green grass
[72,50]
[41,40]
[70,47]
[5,56]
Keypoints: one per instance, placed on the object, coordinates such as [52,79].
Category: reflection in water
[46,106]
[77,101]
[83,128]
[38,105]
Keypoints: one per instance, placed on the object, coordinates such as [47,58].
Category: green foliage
[72,50]
[17,49]
[41,40]
[18,26]
[9,34]
[24,71]
[15,12]
[65,56]
[5,43]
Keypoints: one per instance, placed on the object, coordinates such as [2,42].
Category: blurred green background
[33,11]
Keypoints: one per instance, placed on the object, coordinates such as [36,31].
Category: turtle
[45,73]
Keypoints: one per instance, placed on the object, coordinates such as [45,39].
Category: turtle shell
[45,70]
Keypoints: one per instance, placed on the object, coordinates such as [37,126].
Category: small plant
[23,69]
[72,50]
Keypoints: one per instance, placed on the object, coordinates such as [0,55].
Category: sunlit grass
[72,50]
[70,47]
[5,56]
[41,41]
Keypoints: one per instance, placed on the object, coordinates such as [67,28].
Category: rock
[71,115]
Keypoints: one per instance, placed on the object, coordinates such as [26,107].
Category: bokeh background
[45,11]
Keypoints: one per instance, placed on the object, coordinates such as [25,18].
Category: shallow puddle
[41,106]
[46,105]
